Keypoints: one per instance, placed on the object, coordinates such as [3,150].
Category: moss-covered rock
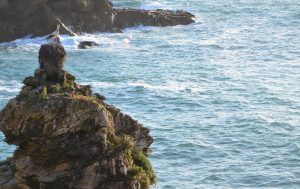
[67,137]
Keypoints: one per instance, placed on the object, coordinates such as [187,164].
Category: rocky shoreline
[20,18]
[67,137]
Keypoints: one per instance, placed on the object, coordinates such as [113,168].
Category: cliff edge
[67,137]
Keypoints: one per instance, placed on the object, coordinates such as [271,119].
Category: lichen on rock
[67,137]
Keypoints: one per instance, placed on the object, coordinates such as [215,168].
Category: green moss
[86,89]
[69,82]
[70,85]
[141,160]
[44,92]
[85,98]
[101,106]
[123,144]
[139,166]
[56,88]
[139,174]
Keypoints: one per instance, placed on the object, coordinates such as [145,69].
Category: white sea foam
[67,41]
[99,84]
[28,41]
[2,97]
[71,42]
[10,86]
[150,5]
[226,34]
[171,86]
[126,40]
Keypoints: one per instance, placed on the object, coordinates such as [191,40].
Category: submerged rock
[20,18]
[68,137]
[87,44]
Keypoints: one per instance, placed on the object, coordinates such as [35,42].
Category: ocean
[220,96]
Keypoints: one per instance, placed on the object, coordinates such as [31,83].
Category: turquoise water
[221,96]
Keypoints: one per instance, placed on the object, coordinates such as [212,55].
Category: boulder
[87,44]
[51,60]
[69,138]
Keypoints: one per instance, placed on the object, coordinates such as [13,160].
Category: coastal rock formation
[134,17]
[67,137]
[20,18]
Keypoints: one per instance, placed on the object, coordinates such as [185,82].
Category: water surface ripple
[221,96]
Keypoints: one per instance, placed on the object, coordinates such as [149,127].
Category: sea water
[220,96]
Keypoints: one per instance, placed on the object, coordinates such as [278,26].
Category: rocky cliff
[19,18]
[67,137]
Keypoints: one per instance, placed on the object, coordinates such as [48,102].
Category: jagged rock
[20,18]
[135,17]
[69,138]
[87,44]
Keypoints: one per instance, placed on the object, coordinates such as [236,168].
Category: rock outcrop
[134,17]
[67,137]
[19,18]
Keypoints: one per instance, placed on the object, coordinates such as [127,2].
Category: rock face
[20,18]
[69,138]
